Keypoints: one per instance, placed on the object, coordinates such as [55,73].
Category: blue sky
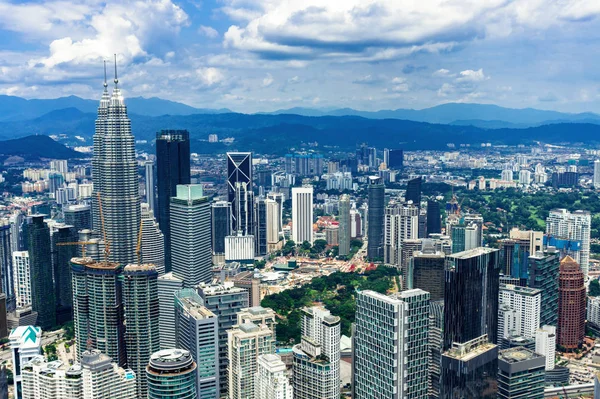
[261,55]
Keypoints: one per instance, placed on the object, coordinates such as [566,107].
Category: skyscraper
[396,159]
[316,360]
[79,216]
[302,214]
[260,225]
[140,297]
[225,301]
[434,218]
[98,314]
[401,223]
[245,343]
[413,191]
[6,268]
[153,241]
[239,186]
[543,275]
[172,168]
[271,381]
[274,220]
[25,344]
[596,181]
[62,270]
[150,185]
[570,233]
[520,374]
[344,220]
[171,374]
[168,285]
[43,299]
[221,225]
[525,302]
[426,271]
[22,278]
[545,344]
[571,305]
[116,197]
[190,235]
[388,330]
[375,218]
[197,330]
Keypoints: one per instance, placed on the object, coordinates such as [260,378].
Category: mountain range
[36,147]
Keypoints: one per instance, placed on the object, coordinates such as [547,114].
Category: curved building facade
[171,374]
[571,305]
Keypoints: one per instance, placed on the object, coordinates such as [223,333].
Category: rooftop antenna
[105,84]
[116,79]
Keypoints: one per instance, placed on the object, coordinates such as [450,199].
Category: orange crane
[82,243]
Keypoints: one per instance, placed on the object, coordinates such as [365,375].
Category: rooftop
[517,354]
[471,253]
[521,290]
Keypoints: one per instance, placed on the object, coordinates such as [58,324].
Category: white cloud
[208,31]
[441,73]
[210,76]
[268,80]
[470,75]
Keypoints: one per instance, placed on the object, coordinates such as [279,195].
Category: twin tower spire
[116,78]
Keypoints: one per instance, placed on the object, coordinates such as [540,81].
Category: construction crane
[82,243]
[106,242]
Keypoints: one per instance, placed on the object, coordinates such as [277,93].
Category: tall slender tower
[344,219]
[43,299]
[375,218]
[114,170]
[571,305]
[239,188]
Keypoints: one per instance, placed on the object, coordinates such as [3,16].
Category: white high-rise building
[545,344]
[150,185]
[391,346]
[563,226]
[60,166]
[302,214]
[153,240]
[593,311]
[507,175]
[274,221]
[524,177]
[597,174]
[401,223]
[21,278]
[316,361]
[96,377]
[168,285]
[270,381]
[526,303]
[245,344]
[25,344]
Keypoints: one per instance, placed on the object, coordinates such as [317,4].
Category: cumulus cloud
[470,75]
[210,76]
[268,80]
[208,31]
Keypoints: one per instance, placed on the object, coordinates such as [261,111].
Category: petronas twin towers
[116,199]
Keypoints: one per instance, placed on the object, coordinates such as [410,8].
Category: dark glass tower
[172,168]
[260,226]
[78,216]
[396,159]
[62,271]
[375,218]
[239,191]
[434,218]
[6,269]
[543,275]
[413,191]
[471,296]
[427,271]
[43,298]
[221,225]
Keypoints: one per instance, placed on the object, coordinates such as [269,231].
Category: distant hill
[19,109]
[35,147]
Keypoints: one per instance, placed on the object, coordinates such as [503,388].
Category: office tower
[98,308]
[543,275]
[570,233]
[593,314]
[62,255]
[375,226]
[413,191]
[140,297]
[571,305]
[373,162]
[168,285]
[408,248]
[316,360]
[434,218]
[190,235]
[475,220]
[426,271]
[270,381]
[545,344]
[471,296]
[22,278]
[152,243]
[396,159]
[302,214]
[516,251]
[245,343]
[248,281]
[6,267]
[436,346]
[171,374]
[240,248]
[225,301]
[525,302]
[25,344]
[221,225]
[172,169]
[344,220]
[259,316]
[274,204]
[18,241]
[79,216]
[197,330]
[239,170]
[304,164]
[596,180]
[149,185]
[520,374]
[401,223]
[116,196]
[43,300]
[96,377]
[389,330]
[465,237]
[260,226]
